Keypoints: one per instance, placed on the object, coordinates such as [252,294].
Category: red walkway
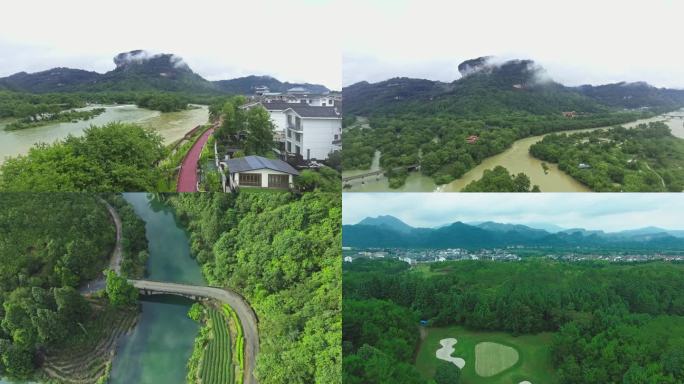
[187,178]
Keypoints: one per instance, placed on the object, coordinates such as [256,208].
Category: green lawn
[533,364]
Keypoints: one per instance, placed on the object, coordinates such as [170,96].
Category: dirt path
[187,178]
[114,259]
[244,311]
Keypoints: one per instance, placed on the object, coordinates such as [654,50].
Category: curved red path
[187,178]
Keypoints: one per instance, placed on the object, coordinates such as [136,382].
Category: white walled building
[312,132]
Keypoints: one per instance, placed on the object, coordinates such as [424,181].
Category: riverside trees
[642,159]
[499,180]
[282,252]
[115,157]
[251,130]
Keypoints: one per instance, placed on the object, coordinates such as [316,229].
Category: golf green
[492,358]
[497,353]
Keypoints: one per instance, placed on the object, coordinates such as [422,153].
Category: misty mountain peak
[516,73]
[158,62]
[471,66]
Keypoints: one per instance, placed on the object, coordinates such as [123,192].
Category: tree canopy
[114,157]
[282,252]
[613,323]
[499,180]
[50,244]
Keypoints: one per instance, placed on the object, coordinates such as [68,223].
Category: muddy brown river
[516,159]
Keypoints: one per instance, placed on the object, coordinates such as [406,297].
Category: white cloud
[610,212]
[293,41]
[578,42]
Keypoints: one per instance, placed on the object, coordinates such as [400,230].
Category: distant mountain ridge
[139,70]
[388,231]
[389,222]
[513,85]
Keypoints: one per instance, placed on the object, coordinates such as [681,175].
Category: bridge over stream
[413,167]
[244,311]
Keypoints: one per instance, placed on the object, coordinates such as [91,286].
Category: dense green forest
[50,244]
[499,180]
[614,323]
[162,102]
[647,158]
[283,253]
[413,121]
[26,105]
[114,157]
[437,140]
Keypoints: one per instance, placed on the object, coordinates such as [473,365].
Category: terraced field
[87,357]
[217,362]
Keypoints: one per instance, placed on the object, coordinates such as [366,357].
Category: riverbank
[172,126]
[516,159]
[73,116]
[158,348]
[87,357]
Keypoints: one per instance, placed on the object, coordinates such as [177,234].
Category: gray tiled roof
[252,163]
[305,110]
[277,105]
[302,109]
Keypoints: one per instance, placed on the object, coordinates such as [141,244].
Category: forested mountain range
[141,71]
[388,231]
[514,85]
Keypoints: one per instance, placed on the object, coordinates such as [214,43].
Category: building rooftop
[305,110]
[277,105]
[302,109]
[253,163]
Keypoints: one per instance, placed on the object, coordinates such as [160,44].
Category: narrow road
[662,181]
[114,259]
[187,178]
[242,308]
[245,313]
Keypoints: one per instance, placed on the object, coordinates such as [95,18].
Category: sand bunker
[524,382]
[447,349]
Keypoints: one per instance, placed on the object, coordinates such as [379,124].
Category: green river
[516,159]
[159,347]
[172,126]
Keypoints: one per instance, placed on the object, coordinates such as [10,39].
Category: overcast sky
[605,211]
[578,42]
[294,40]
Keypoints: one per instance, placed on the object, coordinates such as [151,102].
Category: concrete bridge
[413,167]
[675,116]
[245,313]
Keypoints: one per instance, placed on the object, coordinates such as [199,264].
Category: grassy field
[533,364]
[492,358]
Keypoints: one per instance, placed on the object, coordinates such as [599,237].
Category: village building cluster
[417,256]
